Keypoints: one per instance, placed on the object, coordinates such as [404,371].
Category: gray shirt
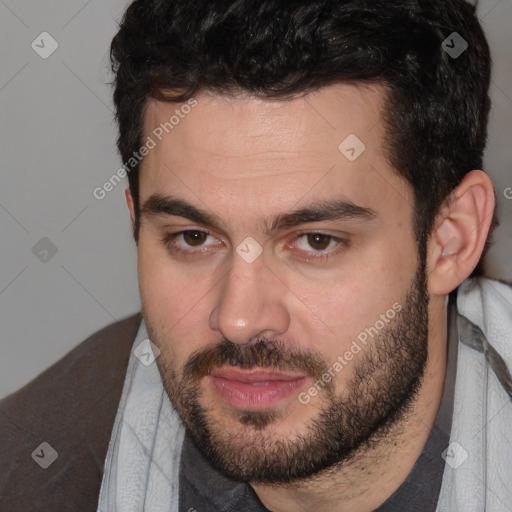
[202,488]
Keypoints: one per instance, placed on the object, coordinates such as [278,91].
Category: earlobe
[461,230]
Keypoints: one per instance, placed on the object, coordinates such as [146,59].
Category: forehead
[259,155]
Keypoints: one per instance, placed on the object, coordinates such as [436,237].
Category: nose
[251,303]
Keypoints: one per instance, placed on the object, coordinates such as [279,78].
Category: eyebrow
[324,210]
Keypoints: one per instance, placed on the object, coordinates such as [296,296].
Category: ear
[129,202]
[460,232]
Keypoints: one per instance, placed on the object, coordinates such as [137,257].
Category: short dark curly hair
[436,108]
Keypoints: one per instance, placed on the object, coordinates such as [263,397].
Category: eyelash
[169,241]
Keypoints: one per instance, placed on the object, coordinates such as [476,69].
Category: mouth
[254,389]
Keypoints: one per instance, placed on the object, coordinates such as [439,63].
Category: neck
[373,474]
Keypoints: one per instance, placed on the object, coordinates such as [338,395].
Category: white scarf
[142,464]
[482,416]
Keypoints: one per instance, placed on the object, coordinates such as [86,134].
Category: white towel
[142,464]
[482,418]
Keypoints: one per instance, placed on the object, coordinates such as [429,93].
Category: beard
[384,383]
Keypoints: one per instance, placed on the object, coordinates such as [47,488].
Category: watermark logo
[351,147]
[454,45]
[45,455]
[44,45]
[343,360]
[455,455]
[249,250]
[44,250]
[151,142]
[146,352]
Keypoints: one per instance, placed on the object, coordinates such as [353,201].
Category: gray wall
[58,144]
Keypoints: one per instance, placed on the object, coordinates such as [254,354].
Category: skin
[247,161]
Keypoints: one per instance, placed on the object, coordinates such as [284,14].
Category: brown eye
[191,243]
[194,238]
[314,246]
[318,241]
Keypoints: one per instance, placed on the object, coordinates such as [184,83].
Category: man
[311,217]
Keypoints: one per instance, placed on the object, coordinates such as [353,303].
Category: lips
[254,389]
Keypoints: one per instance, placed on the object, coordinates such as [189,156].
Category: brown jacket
[72,407]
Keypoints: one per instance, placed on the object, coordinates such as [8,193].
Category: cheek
[156,287]
[166,286]
[341,308]
[175,303]
[163,297]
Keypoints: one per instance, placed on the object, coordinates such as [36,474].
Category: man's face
[286,340]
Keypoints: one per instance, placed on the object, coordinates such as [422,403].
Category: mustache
[263,354]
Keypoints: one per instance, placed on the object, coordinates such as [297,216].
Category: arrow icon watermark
[45,455]
[146,352]
[249,249]
[44,45]
[351,147]
[44,250]
[454,45]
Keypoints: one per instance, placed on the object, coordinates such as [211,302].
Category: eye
[194,238]
[193,242]
[183,241]
[320,243]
